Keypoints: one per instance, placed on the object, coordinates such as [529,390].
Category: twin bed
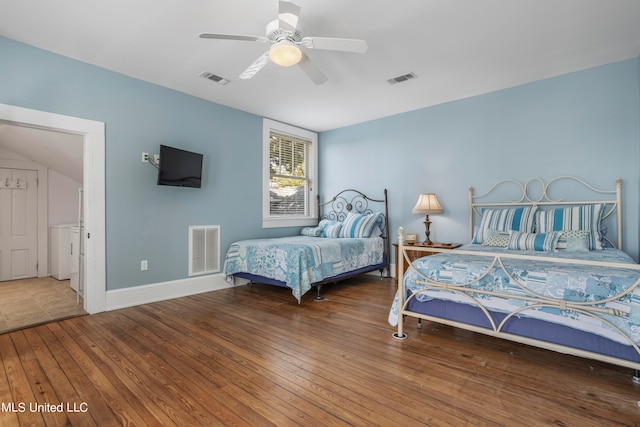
[539,270]
[350,239]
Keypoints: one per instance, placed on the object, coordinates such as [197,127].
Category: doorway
[93,238]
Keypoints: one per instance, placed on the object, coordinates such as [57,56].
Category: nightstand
[413,255]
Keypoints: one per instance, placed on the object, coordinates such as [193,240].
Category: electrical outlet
[144,265]
[156,159]
[145,157]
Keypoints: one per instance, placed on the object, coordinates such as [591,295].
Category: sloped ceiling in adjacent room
[61,152]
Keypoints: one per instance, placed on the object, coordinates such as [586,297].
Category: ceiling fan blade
[233,37]
[312,70]
[329,43]
[288,15]
[257,65]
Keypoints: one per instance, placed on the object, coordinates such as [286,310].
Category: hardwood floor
[252,356]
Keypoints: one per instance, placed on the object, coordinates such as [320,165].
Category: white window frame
[311,219]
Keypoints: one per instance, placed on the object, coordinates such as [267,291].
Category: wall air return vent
[403,78]
[204,249]
[214,78]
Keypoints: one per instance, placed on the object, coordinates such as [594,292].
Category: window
[289,176]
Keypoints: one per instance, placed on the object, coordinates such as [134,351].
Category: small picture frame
[410,239]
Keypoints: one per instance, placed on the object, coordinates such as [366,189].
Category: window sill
[289,222]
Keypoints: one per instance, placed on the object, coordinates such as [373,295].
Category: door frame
[94,237]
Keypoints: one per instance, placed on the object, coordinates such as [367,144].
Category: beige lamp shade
[427,204]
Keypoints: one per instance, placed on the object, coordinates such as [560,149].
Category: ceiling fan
[286,38]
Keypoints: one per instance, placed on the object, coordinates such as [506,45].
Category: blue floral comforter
[300,261]
[568,282]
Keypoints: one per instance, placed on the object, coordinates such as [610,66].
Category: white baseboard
[154,292]
[137,295]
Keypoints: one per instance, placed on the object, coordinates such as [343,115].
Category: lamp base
[427,225]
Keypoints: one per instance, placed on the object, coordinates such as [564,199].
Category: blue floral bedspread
[557,281]
[300,261]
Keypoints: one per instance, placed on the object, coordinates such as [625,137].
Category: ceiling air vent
[403,78]
[214,78]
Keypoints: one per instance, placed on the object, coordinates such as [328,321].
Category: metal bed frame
[337,208]
[613,202]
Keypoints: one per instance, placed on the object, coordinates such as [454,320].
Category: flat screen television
[179,168]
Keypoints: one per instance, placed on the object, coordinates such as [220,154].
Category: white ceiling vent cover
[204,249]
[214,78]
[402,78]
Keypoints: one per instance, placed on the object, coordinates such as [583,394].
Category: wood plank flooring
[252,356]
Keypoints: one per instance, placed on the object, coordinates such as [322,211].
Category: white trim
[272,222]
[154,292]
[94,194]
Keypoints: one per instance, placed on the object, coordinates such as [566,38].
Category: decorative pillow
[575,244]
[312,231]
[495,238]
[332,229]
[574,236]
[533,241]
[583,217]
[520,219]
[359,225]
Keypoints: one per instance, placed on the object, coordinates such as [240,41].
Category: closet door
[18,224]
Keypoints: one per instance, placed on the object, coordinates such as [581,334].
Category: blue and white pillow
[583,217]
[574,240]
[312,231]
[359,225]
[332,229]
[520,219]
[546,242]
[496,239]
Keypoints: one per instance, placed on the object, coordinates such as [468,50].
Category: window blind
[289,173]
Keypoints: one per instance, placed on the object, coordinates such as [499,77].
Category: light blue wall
[143,220]
[584,124]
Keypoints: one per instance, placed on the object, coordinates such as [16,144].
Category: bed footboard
[522,300]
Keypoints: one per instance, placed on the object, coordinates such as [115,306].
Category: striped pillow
[533,241]
[332,229]
[520,219]
[583,217]
[359,225]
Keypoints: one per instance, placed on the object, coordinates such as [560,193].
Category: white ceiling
[457,48]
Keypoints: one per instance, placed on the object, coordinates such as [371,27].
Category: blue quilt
[557,281]
[300,261]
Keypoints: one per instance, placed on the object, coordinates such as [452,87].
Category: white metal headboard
[612,199]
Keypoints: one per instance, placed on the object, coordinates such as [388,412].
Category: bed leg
[399,334]
[636,376]
[419,326]
[318,296]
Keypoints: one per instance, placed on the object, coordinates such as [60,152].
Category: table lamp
[427,204]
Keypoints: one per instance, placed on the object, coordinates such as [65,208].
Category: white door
[18,224]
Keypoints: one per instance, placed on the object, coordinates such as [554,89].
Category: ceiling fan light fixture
[285,54]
